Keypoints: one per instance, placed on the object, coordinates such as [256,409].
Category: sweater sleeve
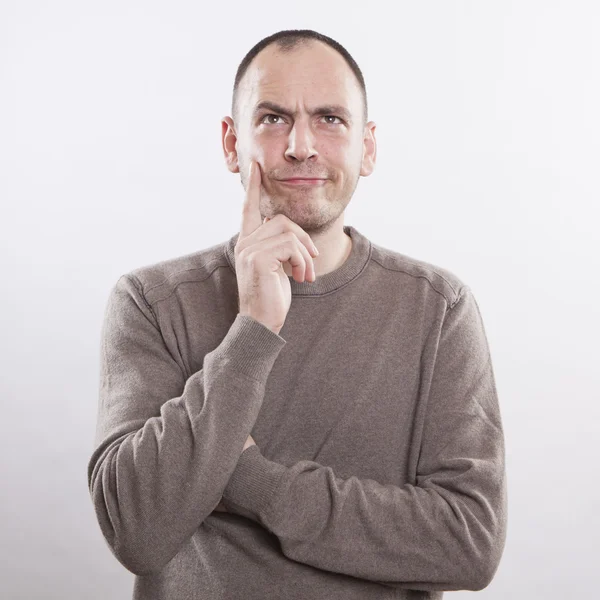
[165,446]
[446,532]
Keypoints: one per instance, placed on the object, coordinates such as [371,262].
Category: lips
[303,182]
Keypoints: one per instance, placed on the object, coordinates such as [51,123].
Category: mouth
[296,181]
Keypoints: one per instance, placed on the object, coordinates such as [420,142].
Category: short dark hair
[288,40]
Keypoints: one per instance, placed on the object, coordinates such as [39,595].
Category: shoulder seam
[138,285]
[208,275]
[460,294]
[457,294]
[199,268]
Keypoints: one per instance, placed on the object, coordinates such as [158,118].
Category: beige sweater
[379,469]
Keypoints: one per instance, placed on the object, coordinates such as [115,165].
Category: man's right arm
[166,447]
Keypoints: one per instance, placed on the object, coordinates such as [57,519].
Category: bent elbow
[483,537]
[489,563]
[488,557]
[137,550]
[139,561]
[133,540]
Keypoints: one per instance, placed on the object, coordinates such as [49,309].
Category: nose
[300,143]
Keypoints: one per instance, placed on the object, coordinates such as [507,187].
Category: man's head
[298,72]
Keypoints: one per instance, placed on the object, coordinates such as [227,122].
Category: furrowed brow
[330,109]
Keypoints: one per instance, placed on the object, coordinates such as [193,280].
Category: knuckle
[246,256]
[250,258]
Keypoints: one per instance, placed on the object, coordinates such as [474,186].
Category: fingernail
[250,169]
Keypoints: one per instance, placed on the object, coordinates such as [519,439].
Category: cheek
[268,146]
[339,157]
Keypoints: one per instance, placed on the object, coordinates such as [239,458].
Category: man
[277,423]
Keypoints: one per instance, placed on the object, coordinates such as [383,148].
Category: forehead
[312,74]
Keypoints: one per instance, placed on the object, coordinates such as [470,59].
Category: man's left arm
[445,533]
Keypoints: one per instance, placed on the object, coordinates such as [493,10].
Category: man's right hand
[264,289]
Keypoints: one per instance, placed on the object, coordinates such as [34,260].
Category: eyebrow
[330,109]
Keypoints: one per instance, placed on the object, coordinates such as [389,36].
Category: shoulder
[158,280]
[442,280]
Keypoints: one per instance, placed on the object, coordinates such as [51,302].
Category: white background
[488,153]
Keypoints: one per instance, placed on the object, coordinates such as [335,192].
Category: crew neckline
[357,260]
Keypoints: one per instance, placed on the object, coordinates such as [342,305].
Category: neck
[334,248]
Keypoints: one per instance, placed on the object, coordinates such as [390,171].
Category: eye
[276,116]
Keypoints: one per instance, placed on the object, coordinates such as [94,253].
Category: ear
[229,140]
[369,150]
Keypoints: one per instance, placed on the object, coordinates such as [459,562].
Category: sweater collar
[351,268]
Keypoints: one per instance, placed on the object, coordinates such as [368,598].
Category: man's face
[334,145]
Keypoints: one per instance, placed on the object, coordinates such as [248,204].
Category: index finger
[251,217]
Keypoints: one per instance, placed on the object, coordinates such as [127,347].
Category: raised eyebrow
[330,109]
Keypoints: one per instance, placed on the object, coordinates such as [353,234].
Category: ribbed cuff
[249,347]
[254,482]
